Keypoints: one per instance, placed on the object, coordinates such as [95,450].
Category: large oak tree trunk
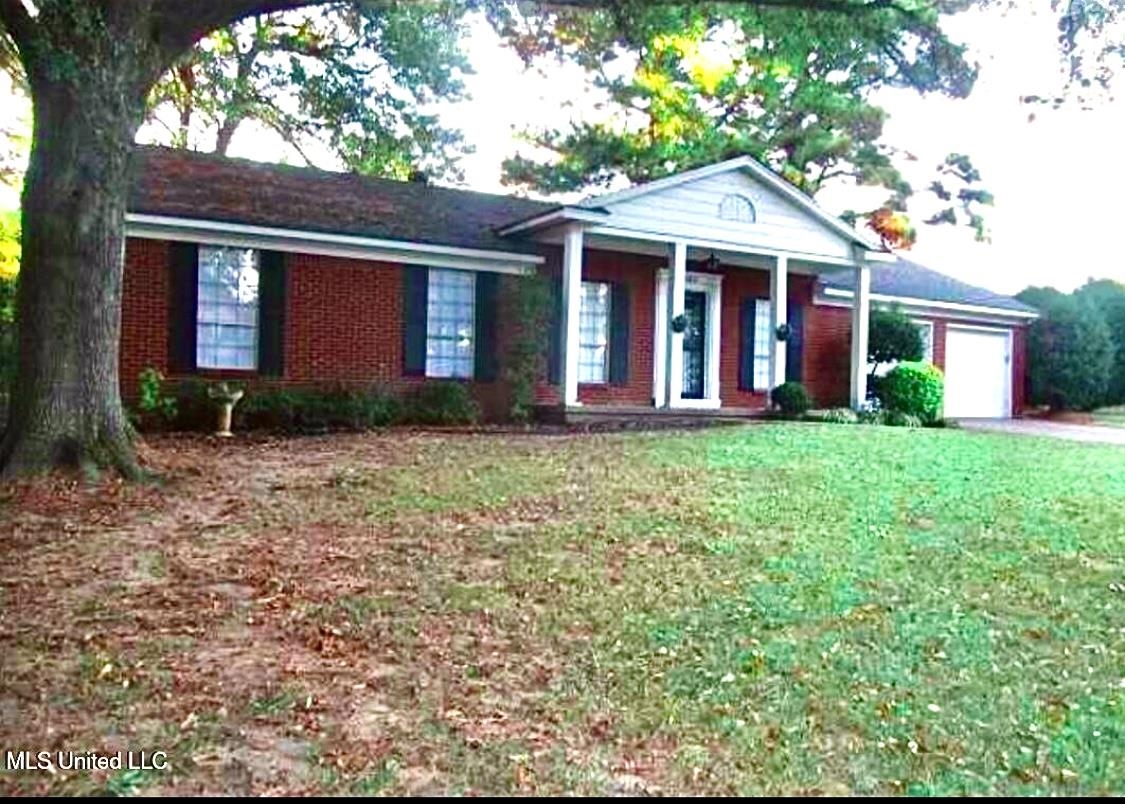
[66,405]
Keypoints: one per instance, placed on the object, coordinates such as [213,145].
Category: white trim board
[835,297]
[220,233]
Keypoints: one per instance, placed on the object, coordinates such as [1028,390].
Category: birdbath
[225,398]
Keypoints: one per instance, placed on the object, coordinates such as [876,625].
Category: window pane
[593,333]
[926,330]
[450,323]
[762,342]
[227,309]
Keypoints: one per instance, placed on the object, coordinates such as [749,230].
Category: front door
[695,344]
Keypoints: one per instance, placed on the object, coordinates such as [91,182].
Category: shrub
[840,416]
[1069,356]
[530,302]
[896,418]
[872,416]
[893,338]
[791,398]
[441,403]
[155,407]
[915,389]
[194,410]
[315,410]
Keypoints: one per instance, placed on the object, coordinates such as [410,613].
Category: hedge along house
[669,297]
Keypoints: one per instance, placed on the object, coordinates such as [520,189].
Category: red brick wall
[828,349]
[639,272]
[343,324]
[144,311]
[343,321]
[1019,370]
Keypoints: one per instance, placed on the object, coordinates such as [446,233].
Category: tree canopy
[357,78]
[793,87]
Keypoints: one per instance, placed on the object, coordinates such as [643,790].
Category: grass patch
[769,610]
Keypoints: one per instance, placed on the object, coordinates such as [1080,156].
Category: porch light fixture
[712,262]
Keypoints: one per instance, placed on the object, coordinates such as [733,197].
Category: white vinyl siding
[226,321]
[692,211]
[593,327]
[450,323]
[762,343]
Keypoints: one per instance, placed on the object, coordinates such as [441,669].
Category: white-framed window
[450,323]
[926,330]
[763,340]
[226,320]
[738,208]
[593,333]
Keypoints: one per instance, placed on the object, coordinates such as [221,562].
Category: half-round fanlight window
[738,208]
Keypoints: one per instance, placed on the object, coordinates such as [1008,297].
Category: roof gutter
[222,233]
[910,301]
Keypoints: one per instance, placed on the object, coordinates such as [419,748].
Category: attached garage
[978,372]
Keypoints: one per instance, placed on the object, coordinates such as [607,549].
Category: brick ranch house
[299,277]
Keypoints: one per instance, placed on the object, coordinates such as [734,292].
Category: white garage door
[978,373]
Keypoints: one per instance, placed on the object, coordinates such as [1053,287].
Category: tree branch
[17,22]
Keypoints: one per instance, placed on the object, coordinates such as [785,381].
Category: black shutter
[554,344]
[183,268]
[485,360]
[747,317]
[271,314]
[795,346]
[415,302]
[620,309]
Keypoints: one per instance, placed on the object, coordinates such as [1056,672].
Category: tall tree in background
[355,78]
[91,67]
[690,85]
[1108,298]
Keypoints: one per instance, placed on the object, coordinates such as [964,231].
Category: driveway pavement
[1089,433]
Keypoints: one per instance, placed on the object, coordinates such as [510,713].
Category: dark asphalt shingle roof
[906,278]
[204,186]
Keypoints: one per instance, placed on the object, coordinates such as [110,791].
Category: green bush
[442,404]
[840,416]
[916,389]
[156,407]
[872,416]
[314,410]
[896,418]
[1070,355]
[194,410]
[893,337]
[791,398]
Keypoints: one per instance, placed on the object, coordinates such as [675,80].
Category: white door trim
[712,286]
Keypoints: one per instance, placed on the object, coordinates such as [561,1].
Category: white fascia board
[554,218]
[221,233]
[842,298]
[715,245]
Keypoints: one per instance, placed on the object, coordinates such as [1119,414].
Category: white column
[660,342]
[677,287]
[571,308]
[861,307]
[779,314]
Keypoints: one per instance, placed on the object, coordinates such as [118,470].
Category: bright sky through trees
[1055,178]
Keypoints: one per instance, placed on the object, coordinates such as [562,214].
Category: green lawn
[774,609]
[1115,417]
